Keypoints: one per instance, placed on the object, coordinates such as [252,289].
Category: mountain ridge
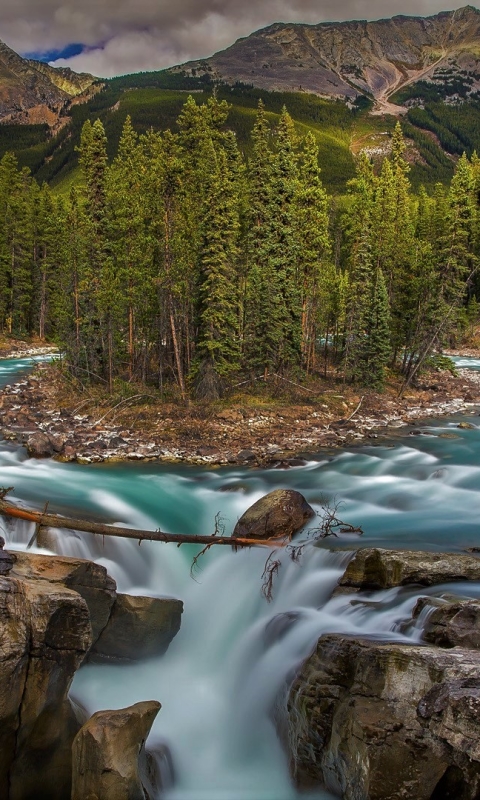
[34,92]
[344,60]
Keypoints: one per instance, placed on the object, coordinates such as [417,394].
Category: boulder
[109,757]
[280,513]
[90,580]
[139,627]
[372,720]
[374,568]
[450,624]
[39,445]
[45,634]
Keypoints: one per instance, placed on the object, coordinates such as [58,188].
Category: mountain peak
[34,92]
[345,60]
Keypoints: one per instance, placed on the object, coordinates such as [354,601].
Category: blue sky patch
[70,50]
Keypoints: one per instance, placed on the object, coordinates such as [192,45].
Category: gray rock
[139,627]
[371,720]
[39,445]
[375,568]
[453,624]
[279,514]
[7,560]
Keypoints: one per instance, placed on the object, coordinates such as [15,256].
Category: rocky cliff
[52,609]
[33,92]
[371,719]
[348,59]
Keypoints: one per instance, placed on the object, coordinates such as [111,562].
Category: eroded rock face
[45,633]
[110,762]
[451,624]
[383,721]
[375,568]
[139,627]
[90,580]
[52,608]
[280,513]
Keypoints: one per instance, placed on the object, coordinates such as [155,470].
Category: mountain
[348,59]
[32,92]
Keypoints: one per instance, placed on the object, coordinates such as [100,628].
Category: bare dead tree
[329,524]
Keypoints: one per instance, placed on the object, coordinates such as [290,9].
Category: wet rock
[279,626]
[282,512]
[57,441]
[467,426]
[139,627]
[39,445]
[383,569]
[372,720]
[454,624]
[6,559]
[246,455]
[90,580]
[45,633]
[109,757]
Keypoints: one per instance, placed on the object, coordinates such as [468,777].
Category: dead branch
[330,525]
[270,572]
[357,409]
[121,403]
[298,385]
[101,529]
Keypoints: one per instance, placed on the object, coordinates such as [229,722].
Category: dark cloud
[129,35]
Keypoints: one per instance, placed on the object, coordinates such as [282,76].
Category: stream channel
[219,681]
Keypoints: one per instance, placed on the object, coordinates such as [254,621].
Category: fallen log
[45,520]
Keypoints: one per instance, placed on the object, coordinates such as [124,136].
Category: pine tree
[374,351]
[218,348]
[315,270]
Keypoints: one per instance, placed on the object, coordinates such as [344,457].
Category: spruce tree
[315,270]
[218,348]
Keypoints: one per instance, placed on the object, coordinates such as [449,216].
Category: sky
[114,37]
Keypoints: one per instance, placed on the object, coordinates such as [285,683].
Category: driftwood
[44,520]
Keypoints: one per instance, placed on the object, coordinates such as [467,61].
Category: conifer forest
[184,263]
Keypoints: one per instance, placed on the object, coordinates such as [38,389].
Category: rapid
[223,677]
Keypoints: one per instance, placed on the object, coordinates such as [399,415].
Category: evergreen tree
[315,271]
[218,348]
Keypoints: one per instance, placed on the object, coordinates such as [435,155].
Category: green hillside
[438,133]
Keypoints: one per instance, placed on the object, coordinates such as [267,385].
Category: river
[220,679]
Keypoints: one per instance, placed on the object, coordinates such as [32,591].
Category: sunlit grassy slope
[437,133]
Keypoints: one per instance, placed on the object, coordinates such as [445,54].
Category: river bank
[42,412]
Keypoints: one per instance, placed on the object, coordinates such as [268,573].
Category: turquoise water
[220,680]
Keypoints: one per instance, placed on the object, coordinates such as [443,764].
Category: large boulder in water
[373,720]
[279,514]
[375,568]
[139,627]
[109,758]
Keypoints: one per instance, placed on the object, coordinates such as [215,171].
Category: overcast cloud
[122,36]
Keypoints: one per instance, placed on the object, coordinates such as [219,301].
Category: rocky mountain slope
[348,59]
[33,92]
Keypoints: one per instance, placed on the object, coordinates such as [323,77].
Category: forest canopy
[182,261]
